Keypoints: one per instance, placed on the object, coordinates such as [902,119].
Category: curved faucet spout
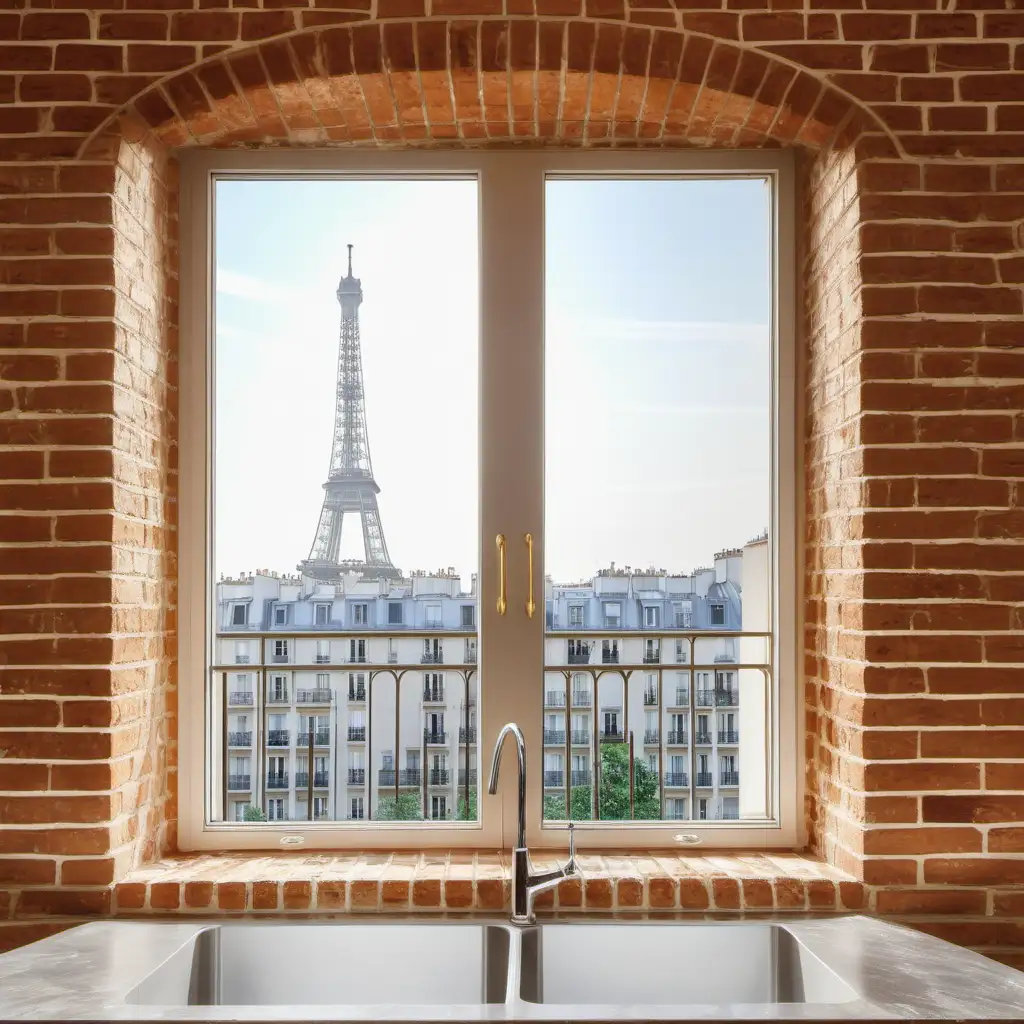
[492,787]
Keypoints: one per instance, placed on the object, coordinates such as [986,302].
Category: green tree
[253,813]
[407,807]
[464,814]
[614,791]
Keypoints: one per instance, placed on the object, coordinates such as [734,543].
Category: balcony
[241,659]
[652,657]
[240,698]
[470,656]
[702,737]
[386,778]
[278,738]
[410,777]
[650,698]
[357,694]
[359,658]
[703,779]
[279,659]
[239,739]
[438,776]
[313,696]
[677,738]
[554,699]
[729,778]
[717,698]
[554,779]
[463,780]
[676,779]
[323,659]
[682,697]
[467,735]
[240,783]
[392,657]
[581,737]
[651,736]
[610,657]
[728,736]
[277,697]
[611,736]
[432,658]
[581,699]
[277,781]
[357,734]
[356,776]
[322,738]
[438,737]
[579,657]
[554,737]
[580,777]
[321,780]
[433,694]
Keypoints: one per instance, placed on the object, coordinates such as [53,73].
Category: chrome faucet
[527,883]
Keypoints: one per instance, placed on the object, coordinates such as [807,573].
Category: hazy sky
[657,380]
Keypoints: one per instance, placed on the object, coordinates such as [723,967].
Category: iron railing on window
[581,699]
[320,780]
[729,778]
[581,737]
[554,779]
[703,779]
[357,694]
[676,779]
[357,733]
[580,777]
[554,737]
[240,698]
[438,776]
[318,696]
[278,738]
[728,736]
[239,782]
[554,699]
[676,738]
[240,739]
[356,776]
[277,780]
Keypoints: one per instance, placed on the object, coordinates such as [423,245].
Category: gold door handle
[502,574]
[530,606]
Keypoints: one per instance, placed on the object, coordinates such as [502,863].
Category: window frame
[511,203]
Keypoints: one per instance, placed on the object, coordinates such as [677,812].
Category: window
[280,615]
[323,652]
[355,811]
[239,615]
[650,351]
[241,652]
[275,809]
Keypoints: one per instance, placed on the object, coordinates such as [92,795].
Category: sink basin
[649,963]
[267,964]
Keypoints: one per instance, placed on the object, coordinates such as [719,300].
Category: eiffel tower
[350,486]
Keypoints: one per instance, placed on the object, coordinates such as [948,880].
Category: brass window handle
[502,574]
[531,607]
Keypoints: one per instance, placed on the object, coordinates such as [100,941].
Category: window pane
[657,498]
[345,682]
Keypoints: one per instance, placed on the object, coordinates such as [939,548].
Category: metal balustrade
[433,694]
[277,781]
[357,694]
[356,776]
[650,697]
[554,737]
[438,776]
[277,697]
[728,736]
[239,782]
[729,778]
[676,779]
[581,737]
[702,737]
[313,696]
[554,699]
[580,777]
[278,738]
[651,736]
[436,737]
[357,733]
[467,735]
[581,699]
[677,738]
[703,779]
[240,739]
[320,780]
[464,779]
[554,779]
[240,698]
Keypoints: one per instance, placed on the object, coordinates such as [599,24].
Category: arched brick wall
[912,191]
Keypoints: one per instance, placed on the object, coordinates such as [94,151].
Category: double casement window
[546,398]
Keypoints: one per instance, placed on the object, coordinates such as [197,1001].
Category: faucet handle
[572,843]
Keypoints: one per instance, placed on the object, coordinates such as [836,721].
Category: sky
[657,368]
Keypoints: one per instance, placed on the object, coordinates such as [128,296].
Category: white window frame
[511,498]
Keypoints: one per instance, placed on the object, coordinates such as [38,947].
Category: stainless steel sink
[315,964]
[621,963]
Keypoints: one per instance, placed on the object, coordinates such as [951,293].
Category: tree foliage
[614,791]
[407,807]
[253,813]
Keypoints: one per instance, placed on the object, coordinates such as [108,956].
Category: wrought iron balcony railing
[677,738]
[717,698]
[279,659]
[467,735]
[357,733]
[609,657]
[703,779]
[239,782]
[463,780]
[651,736]
[278,738]
[728,736]
[241,659]
[356,776]
[580,777]
[650,697]
[359,658]
[322,738]
[392,657]
[729,778]
[579,657]
[652,657]
[554,699]
[433,694]
[682,697]
[357,694]
[240,739]
[676,779]
[432,658]
[277,781]
[702,737]
[240,698]
[313,696]
[277,697]
[323,659]
[611,736]
[436,736]
[554,737]
[581,737]
[438,776]
[386,777]
[320,780]
[581,699]
[410,777]
[554,779]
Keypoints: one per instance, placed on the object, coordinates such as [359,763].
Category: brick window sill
[479,881]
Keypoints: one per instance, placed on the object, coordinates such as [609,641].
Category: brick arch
[502,81]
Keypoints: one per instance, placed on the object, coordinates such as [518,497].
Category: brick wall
[911,125]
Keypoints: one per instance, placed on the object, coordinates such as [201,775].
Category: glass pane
[657,498]
[345,504]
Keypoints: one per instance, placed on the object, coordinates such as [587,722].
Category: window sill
[479,881]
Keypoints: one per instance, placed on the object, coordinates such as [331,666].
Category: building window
[355,811]
[540,240]
[275,809]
